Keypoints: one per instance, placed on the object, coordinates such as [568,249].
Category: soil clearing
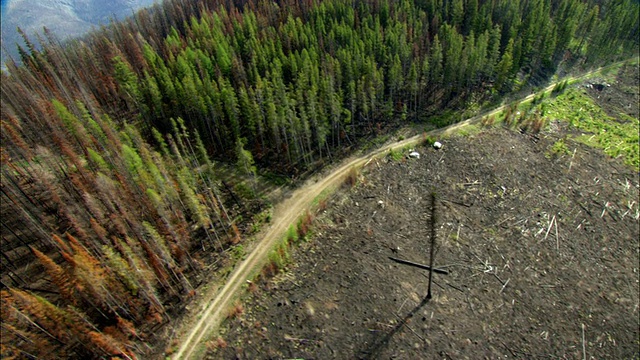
[212,301]
[541,249]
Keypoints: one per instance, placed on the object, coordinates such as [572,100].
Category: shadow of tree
[382,341]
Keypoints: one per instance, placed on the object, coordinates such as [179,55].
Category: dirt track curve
[285,213]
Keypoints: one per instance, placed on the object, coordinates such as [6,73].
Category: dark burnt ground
[542,250]
[621,95]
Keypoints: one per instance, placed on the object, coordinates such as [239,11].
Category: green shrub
[429,140]
[292,235]
[395,155]
[245,191]
[558,149]
[237,252]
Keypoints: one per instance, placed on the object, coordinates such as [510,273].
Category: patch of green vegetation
[280,256]
[245,191]
[470,129]
[429,140]
[237,252]
[292,235]
[448,117]
[616,138]
[518,83]
[304,226]
[558,149]
[609,73]
[395,154]
[320,201]
[276,179]
[563,199]
[560,87]
[263,217]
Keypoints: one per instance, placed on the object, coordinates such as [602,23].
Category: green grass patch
[428,140]
[617,138]
[395,154]
[560,87]
[320,201]
[470,129]
[558,149]
[609,73]
[237,252]
[292,234]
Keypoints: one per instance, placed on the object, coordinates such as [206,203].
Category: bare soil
[542,252]
[622,95]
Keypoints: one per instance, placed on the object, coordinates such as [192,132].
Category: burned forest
[138,159]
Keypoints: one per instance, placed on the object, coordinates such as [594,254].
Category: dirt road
[286,213]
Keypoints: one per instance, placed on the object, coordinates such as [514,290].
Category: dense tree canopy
[108,141]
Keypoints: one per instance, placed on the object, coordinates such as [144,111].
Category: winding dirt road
[286,213]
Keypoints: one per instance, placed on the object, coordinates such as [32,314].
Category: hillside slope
[540,245]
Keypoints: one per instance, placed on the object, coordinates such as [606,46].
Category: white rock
[437,145]
[414,154]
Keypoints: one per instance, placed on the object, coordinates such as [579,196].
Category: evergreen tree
[436,62]
[245,160]
[504,67]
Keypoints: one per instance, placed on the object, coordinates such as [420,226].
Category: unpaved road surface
[286,213]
